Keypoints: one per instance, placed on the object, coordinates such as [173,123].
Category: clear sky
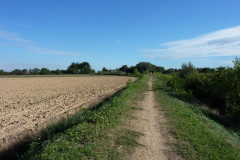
[111,33]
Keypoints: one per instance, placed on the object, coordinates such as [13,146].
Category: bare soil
[28,104]
[150,120]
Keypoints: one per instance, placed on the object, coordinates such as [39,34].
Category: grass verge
[87,134]
[198,137]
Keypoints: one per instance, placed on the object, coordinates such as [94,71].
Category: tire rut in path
[150,121]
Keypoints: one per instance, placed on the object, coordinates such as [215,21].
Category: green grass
[198,137]
[128,138]
[89,133]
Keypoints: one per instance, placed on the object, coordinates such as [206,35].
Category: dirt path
[150,121]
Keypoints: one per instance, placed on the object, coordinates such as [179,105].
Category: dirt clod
[28,104]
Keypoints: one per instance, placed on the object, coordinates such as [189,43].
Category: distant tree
[24,71]
[2,72]
[44,71]
[169,71]
[34,71]
[145,66]
[124,68]
[73,68]
[17,72]
[57,71]
[104,69]
[84,68]
[206,70]
[220,69]
[93,71]
[160,69]
[64,71]
[187,68]
[236,63]
[131,69]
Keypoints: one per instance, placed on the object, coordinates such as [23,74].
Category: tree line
[74,68]
[85,68]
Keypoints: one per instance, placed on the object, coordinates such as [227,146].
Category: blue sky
[111,33]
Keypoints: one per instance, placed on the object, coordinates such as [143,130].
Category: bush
[177,84]
[233,90]
[220,90]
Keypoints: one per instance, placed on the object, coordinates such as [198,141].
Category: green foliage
[44,71]
[2,72]
[127,138]
[220,90]
[196,136]
[124,68]
[129,83]
[206,70]
[137,73]
[104,69]
[187,69]
[84,68]
[177,84]
[57,72]
[170,71]
[17,72]
[80,68]
[24,71]
[160,69]
[233,90]
[34,71]
[145,66]
[73,68]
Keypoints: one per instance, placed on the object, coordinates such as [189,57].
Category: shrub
[177,84]
[220,90]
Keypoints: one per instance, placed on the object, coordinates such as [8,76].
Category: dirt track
[150,120]
[27,104]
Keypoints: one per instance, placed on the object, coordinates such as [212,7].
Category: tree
[104,69]
[169,71]
[44,71]
[206,70]
[17,72]
[93,71]
[73,68]
[145,66]
[131,69]
[84,68]
[57,71]
[34,71]
[124,68]
[2,72]
[24,71]
[187,68]
[160,69]
[220,69]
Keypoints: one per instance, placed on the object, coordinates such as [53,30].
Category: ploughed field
[28,104]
